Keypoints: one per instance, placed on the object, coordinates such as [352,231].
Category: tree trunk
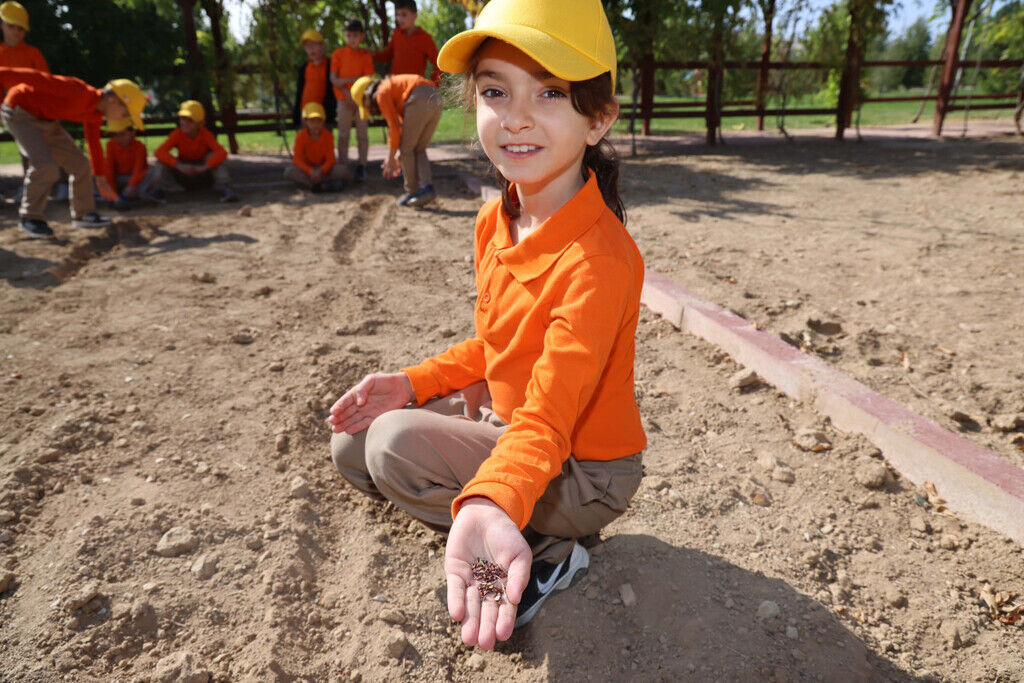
[195,57]
[761,87]
[849,83]
[225,79]
[950,65]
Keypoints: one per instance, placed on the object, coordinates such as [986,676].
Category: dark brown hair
[591,98]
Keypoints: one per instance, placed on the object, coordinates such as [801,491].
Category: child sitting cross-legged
[313,163]
[200,160]
[126,163]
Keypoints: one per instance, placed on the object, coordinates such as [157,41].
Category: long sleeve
[95,147]
[430,47]
[139,164]
[388,53]
[111,171]
[456,368]
[39,62]
[388,109]
[220,154]
[330,159]
[299,152]
[163,152]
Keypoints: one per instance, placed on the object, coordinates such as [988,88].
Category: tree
[914,44]
[442,19]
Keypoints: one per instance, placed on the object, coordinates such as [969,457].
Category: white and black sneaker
[546,578]
[36,228]
[90,220]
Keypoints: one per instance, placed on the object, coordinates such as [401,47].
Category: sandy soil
[169,509]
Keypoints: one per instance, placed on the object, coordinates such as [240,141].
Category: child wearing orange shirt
[14,51]
[314,79]
[126,163]
[200,160]
[410,48]
[525,437]
[313,164]
[348,63]
[411,105]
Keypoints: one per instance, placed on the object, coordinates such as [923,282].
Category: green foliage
[442,19]
[914,44]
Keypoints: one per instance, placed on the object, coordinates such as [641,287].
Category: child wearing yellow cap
[526,437]
[313,163]
[32,110]
[14,51]
[314,78]
[199,163]
[126,163]
[411,105]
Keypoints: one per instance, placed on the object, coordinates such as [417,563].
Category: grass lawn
[457,126]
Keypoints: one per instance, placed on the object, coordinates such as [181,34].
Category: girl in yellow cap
[525,437]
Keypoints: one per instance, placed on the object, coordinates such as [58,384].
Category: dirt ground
[168,509]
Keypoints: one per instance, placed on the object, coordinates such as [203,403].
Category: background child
[410,47]
[200,160]
[32,110]
[314,82]
[126,163]
[14,51]
[411,105]
[349,63]
[550,451]
[313,163]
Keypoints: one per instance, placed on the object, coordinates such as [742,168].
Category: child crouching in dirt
[527,436]
[126,164]
[313,163]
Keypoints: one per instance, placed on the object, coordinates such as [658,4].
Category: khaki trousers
[348,114]
[48,148]
[420,459]
[170,178]
[422,114]
[299,177]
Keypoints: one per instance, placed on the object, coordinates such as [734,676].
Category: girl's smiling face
[527,124]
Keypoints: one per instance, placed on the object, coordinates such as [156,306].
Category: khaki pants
[348,114]
[48,148]
[170,178]
[420,458]
[299,177]
[422,114]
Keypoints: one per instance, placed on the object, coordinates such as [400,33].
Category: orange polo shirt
[391,96]
[58,98]
[130,160]
[409,53]
[315,86]
[349,63]
[23,56]
[310,153]
[191,150]
[555,319]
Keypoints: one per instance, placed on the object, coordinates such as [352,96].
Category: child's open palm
[362,404]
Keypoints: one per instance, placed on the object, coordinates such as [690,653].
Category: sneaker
[36,228]
[227,194]
[90,220]
[360,174]
[546,578]
[333,185]
[423,196]
[404,199]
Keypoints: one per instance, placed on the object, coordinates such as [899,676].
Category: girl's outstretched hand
[484,530]
[376,394]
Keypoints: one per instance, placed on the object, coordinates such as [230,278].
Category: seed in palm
[489,579]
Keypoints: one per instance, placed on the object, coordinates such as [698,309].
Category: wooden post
[950,65]
[195,57]
[713,103]
[761,86]
[647,90]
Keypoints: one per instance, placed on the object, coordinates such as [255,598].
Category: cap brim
[557,57]
[137,123]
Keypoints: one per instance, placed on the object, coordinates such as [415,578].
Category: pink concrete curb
[976,483]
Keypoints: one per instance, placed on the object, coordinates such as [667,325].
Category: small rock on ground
[177,541]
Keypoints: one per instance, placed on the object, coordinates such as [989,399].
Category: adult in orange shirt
[525,437]
[313,163]
[200,160]
[411,105]
[349,63]
[410,47]
[32,110]
[126,163]
[313,83]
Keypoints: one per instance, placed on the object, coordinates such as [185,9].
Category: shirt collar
[538,252]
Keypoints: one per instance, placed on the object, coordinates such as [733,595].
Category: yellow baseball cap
[14,13]
[569,38]
[118,125]
[191,109]
[313,110]
[311,35]
[133,98]
[358,89]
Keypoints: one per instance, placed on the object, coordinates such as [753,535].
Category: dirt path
[173,508]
